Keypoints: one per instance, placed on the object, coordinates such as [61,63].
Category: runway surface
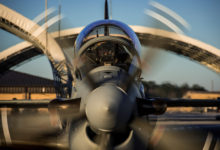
[173,131]
[186,131]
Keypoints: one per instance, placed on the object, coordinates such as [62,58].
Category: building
[17,85]
[201,95]
[198,95]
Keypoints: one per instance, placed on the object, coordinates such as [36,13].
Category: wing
[159,105]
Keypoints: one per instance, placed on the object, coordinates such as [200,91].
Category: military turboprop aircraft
[108,101]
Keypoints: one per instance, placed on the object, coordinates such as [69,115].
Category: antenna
[212,86]
[46,22]
[106,10]
[110,9]
[106,31]
[59,25]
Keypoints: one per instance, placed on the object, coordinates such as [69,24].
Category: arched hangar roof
[180,44]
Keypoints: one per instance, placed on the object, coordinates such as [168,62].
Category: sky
[201,15]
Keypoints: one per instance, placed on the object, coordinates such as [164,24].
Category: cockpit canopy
[106,30]
[107,43]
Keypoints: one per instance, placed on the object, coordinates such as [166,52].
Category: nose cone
[108,107]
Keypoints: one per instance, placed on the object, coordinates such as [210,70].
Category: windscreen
[119,46]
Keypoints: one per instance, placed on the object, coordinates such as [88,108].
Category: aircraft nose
[108,107]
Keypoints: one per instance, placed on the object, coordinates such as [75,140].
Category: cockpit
[108,53]
[107,43]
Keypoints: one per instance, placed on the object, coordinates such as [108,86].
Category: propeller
[54,123]
[109,112]
[61,111]
[143,130]
[105,142]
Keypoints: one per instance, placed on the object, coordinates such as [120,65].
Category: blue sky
[202,15]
